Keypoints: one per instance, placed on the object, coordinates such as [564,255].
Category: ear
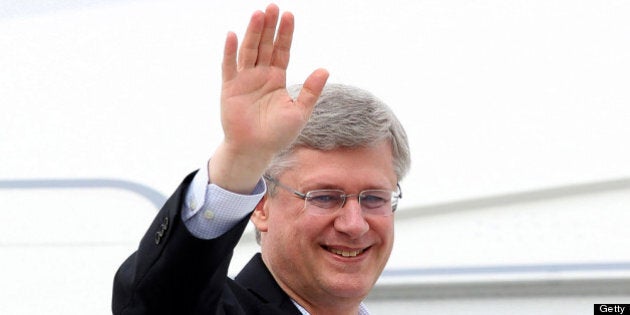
[260,217]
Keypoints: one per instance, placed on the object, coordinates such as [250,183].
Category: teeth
[345,253]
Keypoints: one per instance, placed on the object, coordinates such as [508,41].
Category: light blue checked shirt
[209,211]
[362,309]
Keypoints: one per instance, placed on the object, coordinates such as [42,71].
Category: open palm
[257,113]
[258,116]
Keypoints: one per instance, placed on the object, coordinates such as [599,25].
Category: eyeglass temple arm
[289,189]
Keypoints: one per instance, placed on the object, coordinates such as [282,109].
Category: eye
[374,198]
[324,198]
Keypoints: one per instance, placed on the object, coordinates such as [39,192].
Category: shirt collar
[362,309]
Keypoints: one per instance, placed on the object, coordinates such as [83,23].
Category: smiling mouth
[346,253]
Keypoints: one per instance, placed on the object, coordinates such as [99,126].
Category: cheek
[384,228]
[301,231]
[286,220]
[382,225]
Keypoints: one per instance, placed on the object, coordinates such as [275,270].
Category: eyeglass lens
[373,201]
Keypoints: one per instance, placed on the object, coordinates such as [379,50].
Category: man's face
[305,251]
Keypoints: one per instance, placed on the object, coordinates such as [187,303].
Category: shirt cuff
[209,211]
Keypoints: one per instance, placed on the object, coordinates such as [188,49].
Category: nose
[350,220]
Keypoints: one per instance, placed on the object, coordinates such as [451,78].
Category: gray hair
[345,117]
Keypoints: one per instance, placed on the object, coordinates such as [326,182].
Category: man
[325,222]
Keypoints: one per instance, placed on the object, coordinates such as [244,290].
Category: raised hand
[258,116]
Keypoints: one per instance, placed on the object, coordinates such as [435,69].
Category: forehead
[368,166]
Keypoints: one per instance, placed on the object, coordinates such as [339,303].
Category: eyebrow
[326,185]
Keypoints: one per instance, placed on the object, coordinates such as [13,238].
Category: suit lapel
[256,278]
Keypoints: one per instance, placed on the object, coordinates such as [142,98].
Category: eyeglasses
[326,201]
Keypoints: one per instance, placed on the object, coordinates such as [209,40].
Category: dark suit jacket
[173,272]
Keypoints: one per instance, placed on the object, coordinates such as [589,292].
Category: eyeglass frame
[395,196]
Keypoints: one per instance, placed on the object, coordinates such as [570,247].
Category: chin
[351,288]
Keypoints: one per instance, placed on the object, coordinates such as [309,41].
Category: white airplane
[518,113]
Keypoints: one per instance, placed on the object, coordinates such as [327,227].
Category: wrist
[237,171]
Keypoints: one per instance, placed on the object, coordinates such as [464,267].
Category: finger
[312,89]
[248,52]
[282,46]
[229,57]
[265,48]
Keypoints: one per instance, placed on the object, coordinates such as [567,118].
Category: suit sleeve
[174,272]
